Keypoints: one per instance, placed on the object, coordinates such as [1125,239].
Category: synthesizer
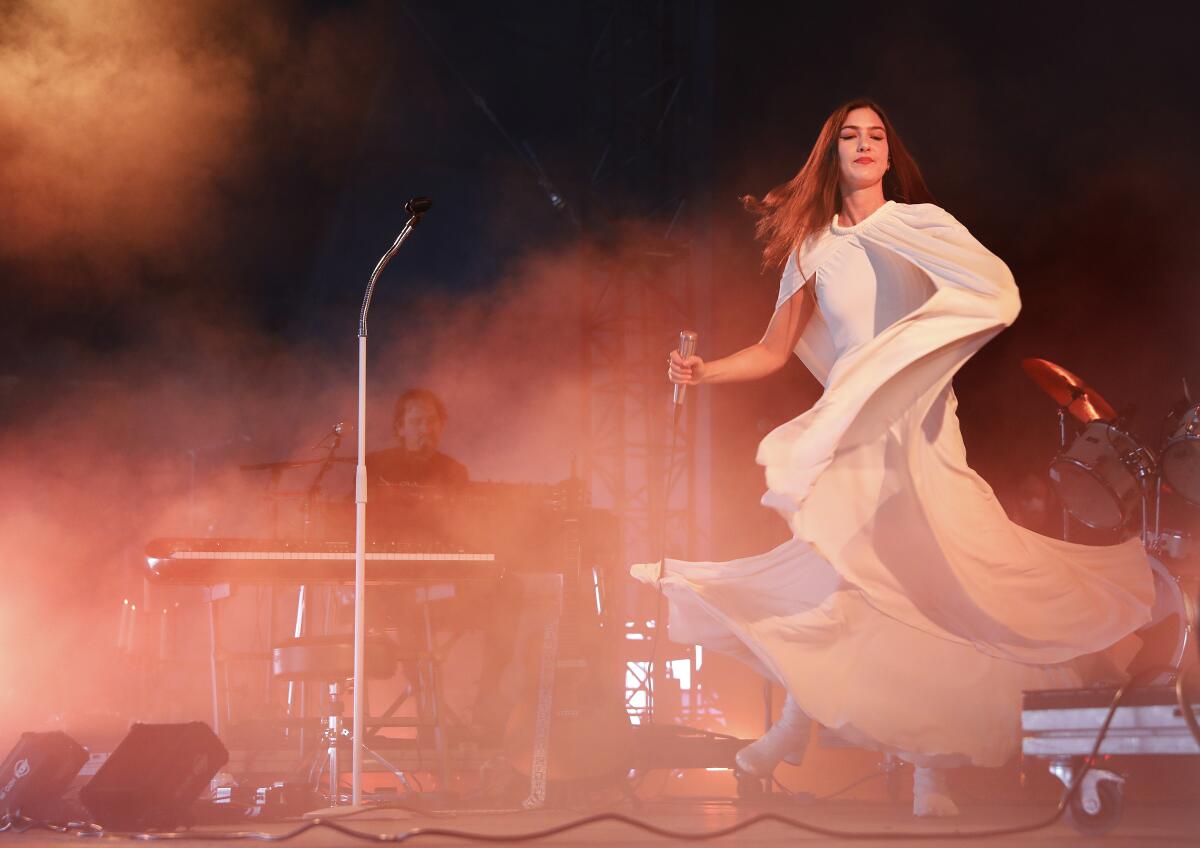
[212,561]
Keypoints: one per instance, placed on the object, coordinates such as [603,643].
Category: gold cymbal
[1068,391]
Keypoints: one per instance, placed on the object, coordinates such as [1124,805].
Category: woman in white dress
[906,613]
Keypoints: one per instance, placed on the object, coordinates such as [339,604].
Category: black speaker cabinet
[37,770]
[154,777]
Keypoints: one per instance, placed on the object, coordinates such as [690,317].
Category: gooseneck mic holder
[416,207]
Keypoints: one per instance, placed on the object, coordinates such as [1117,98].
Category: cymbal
[284,464]
[1068,391]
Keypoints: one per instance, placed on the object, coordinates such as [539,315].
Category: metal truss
[645,214]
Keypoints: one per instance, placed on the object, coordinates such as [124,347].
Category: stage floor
[1176,823]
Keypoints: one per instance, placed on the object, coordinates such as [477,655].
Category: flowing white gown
[907,612]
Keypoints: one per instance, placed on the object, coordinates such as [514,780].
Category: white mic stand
[416,207]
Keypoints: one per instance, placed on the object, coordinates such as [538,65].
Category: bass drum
[1181,457]
[1169,638]
[1098,478]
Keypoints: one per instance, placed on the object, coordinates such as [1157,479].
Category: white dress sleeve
[815,347]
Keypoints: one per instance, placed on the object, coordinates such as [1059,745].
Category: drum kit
[1107,480]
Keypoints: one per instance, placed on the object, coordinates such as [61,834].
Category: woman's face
[862,150]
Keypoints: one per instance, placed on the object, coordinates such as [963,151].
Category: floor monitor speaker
[154,777]
[37,770]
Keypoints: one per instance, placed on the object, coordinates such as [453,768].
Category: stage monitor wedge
[154,777]
[37,771]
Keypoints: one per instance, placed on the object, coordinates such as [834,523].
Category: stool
[330,660]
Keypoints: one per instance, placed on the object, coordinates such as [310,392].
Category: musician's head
[418,421]
[862,150]
[857,131]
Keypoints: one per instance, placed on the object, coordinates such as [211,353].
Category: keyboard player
[417,423]
[400,482]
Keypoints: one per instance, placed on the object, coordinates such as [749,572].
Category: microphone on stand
[418,206]
[335,432]
[687,347]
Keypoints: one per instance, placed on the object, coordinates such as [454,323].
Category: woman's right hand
[685,370]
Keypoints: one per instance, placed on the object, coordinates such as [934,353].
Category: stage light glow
[681,670]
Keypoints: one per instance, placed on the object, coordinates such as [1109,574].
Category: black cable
[787,790]
[17,823]
[864,779]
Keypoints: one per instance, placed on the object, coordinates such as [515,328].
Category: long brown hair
[790,213]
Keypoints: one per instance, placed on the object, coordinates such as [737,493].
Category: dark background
[194,197]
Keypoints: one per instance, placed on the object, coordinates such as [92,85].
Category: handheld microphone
[418,206]
[687,347]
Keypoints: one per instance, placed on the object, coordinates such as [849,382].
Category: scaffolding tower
[645,214]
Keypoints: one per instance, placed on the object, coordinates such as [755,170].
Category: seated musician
[418,422]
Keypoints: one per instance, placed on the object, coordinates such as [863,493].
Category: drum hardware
[1181,457]
[1105,473]
[1062,446]
[1103,476]
[1074,397]
[1141,463]
[1168,640]
[1171,544]
[1070,392]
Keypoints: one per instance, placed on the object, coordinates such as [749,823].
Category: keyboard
[211,561]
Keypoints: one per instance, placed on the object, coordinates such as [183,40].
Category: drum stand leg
[1145,487]
[1062,446]
[1142,468]
[1156,547]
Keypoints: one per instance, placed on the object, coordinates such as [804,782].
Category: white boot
[786,739]
[931,795]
